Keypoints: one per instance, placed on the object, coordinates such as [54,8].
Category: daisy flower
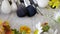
[39,28]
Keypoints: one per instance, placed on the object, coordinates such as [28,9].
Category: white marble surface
[16,22]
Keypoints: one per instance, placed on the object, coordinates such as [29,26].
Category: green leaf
[45,28]
[15,31]
[24,32]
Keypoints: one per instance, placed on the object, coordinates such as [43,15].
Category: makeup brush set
[19,6]
[23,7]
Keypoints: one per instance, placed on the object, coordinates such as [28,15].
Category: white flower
[57,16]
[39,27]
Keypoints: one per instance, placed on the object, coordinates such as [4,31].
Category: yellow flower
[1,22]
[6,22]
[1,27]
[54,3]
[36,31]
[13,32]
[25,28]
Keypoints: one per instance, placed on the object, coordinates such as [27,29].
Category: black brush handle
[33,3]
[36,5]
[22,1]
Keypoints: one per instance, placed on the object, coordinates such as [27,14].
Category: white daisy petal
[56,31]
[40,31]
[39,27]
